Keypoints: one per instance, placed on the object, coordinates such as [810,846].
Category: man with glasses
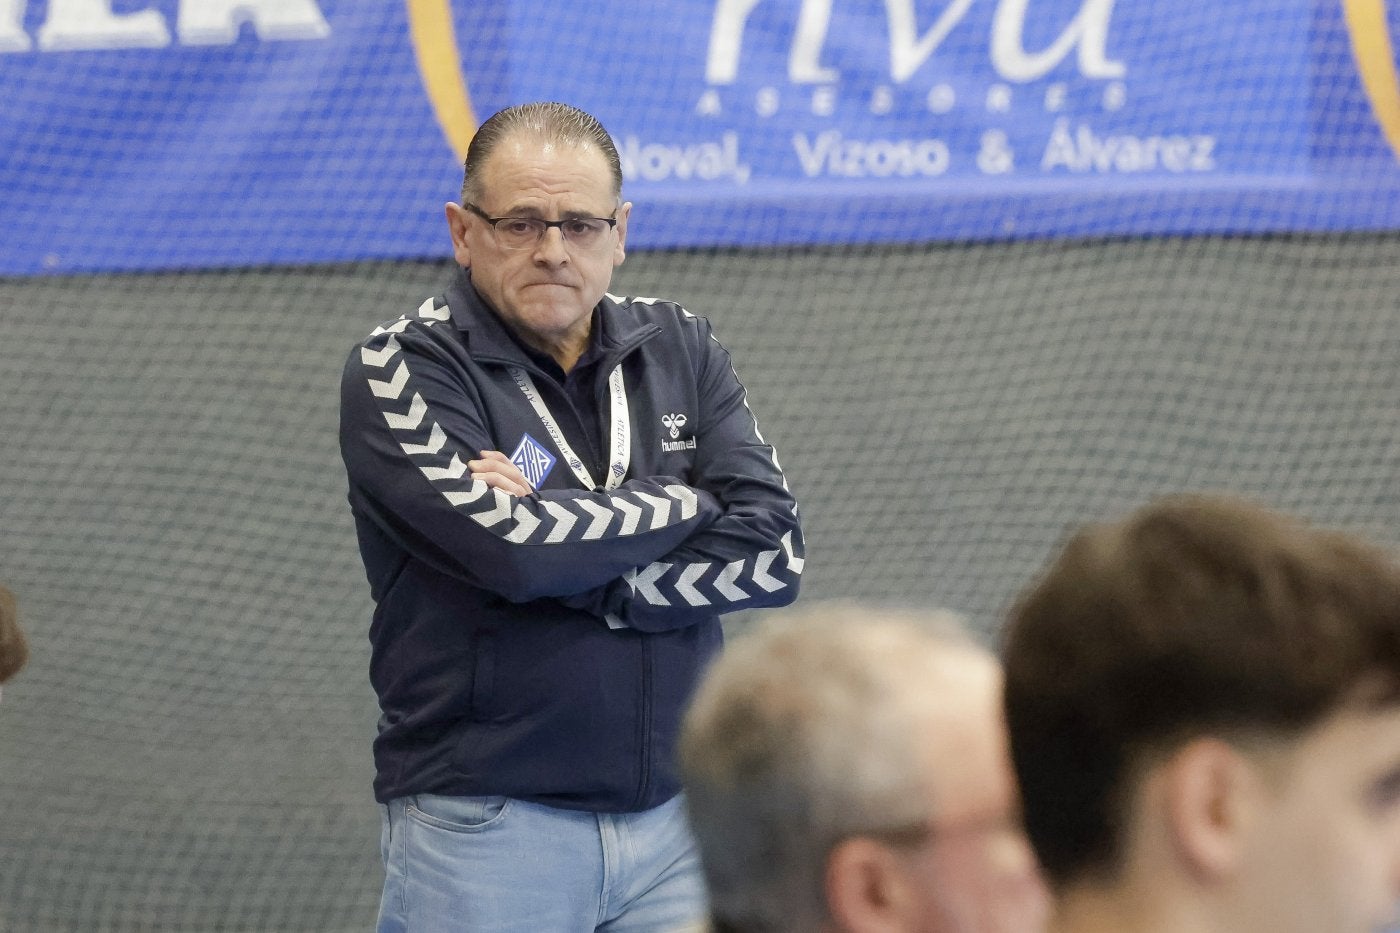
[846,771]
[557,493]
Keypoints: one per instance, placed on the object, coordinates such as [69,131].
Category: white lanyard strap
[619,436]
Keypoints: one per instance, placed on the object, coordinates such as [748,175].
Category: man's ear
[1210,790]
[457,220]
[620,252]
[866,888]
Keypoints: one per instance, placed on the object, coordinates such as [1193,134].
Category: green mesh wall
[189,749]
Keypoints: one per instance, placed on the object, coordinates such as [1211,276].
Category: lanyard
[620,435]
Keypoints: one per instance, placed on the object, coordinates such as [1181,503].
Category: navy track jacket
[544,647]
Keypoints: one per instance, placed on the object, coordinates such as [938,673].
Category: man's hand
[495,469]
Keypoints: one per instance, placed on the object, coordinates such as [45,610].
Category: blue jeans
[502,865]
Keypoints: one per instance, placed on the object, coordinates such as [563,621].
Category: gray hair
[804,733]
[558,123]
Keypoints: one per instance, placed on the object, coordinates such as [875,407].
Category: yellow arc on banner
[440,65]
[1375,59]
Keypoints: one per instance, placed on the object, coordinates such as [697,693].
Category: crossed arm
[657,553]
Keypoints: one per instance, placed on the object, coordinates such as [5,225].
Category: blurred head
[14,650]
[541,162]
[846,769]
[1206,694]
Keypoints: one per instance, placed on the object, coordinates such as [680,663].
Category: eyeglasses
[908,835]
[585,233]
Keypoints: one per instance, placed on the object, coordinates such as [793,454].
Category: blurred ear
[457,221]
[14,648]
[620,252]
[1210,790]
[866,887]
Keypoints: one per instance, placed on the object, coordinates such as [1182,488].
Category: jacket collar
[616,329]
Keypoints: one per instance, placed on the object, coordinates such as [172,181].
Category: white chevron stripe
[760,572]
[795,563]
[453,470]
[394,386]
[724,583]
[466,497]
[690,502]
[437,439]
[525,524]
[645,583]
[564,520]
[601,517]
[398,327]
[498,514]
[631,515]
[686,584]
[413,419]
[427,310]
[661,507]
[380,358]
[623,299]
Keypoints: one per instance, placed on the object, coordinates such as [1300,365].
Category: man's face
[976,871]
[545,293]
[1325,850]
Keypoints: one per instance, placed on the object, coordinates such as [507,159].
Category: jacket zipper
[644,782]
[644,719]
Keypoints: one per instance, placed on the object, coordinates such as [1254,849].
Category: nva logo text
[908,49]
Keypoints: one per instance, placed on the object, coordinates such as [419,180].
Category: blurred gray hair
[804,733]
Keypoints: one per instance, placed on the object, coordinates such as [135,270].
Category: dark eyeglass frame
[493,221]
[910,835]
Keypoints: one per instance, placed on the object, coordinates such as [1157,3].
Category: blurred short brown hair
[1194,615]
[14,650]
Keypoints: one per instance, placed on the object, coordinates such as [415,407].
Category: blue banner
[216,133]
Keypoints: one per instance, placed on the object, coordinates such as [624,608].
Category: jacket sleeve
[410,421]
[752,555]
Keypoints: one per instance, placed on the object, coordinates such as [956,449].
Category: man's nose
[551,248]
